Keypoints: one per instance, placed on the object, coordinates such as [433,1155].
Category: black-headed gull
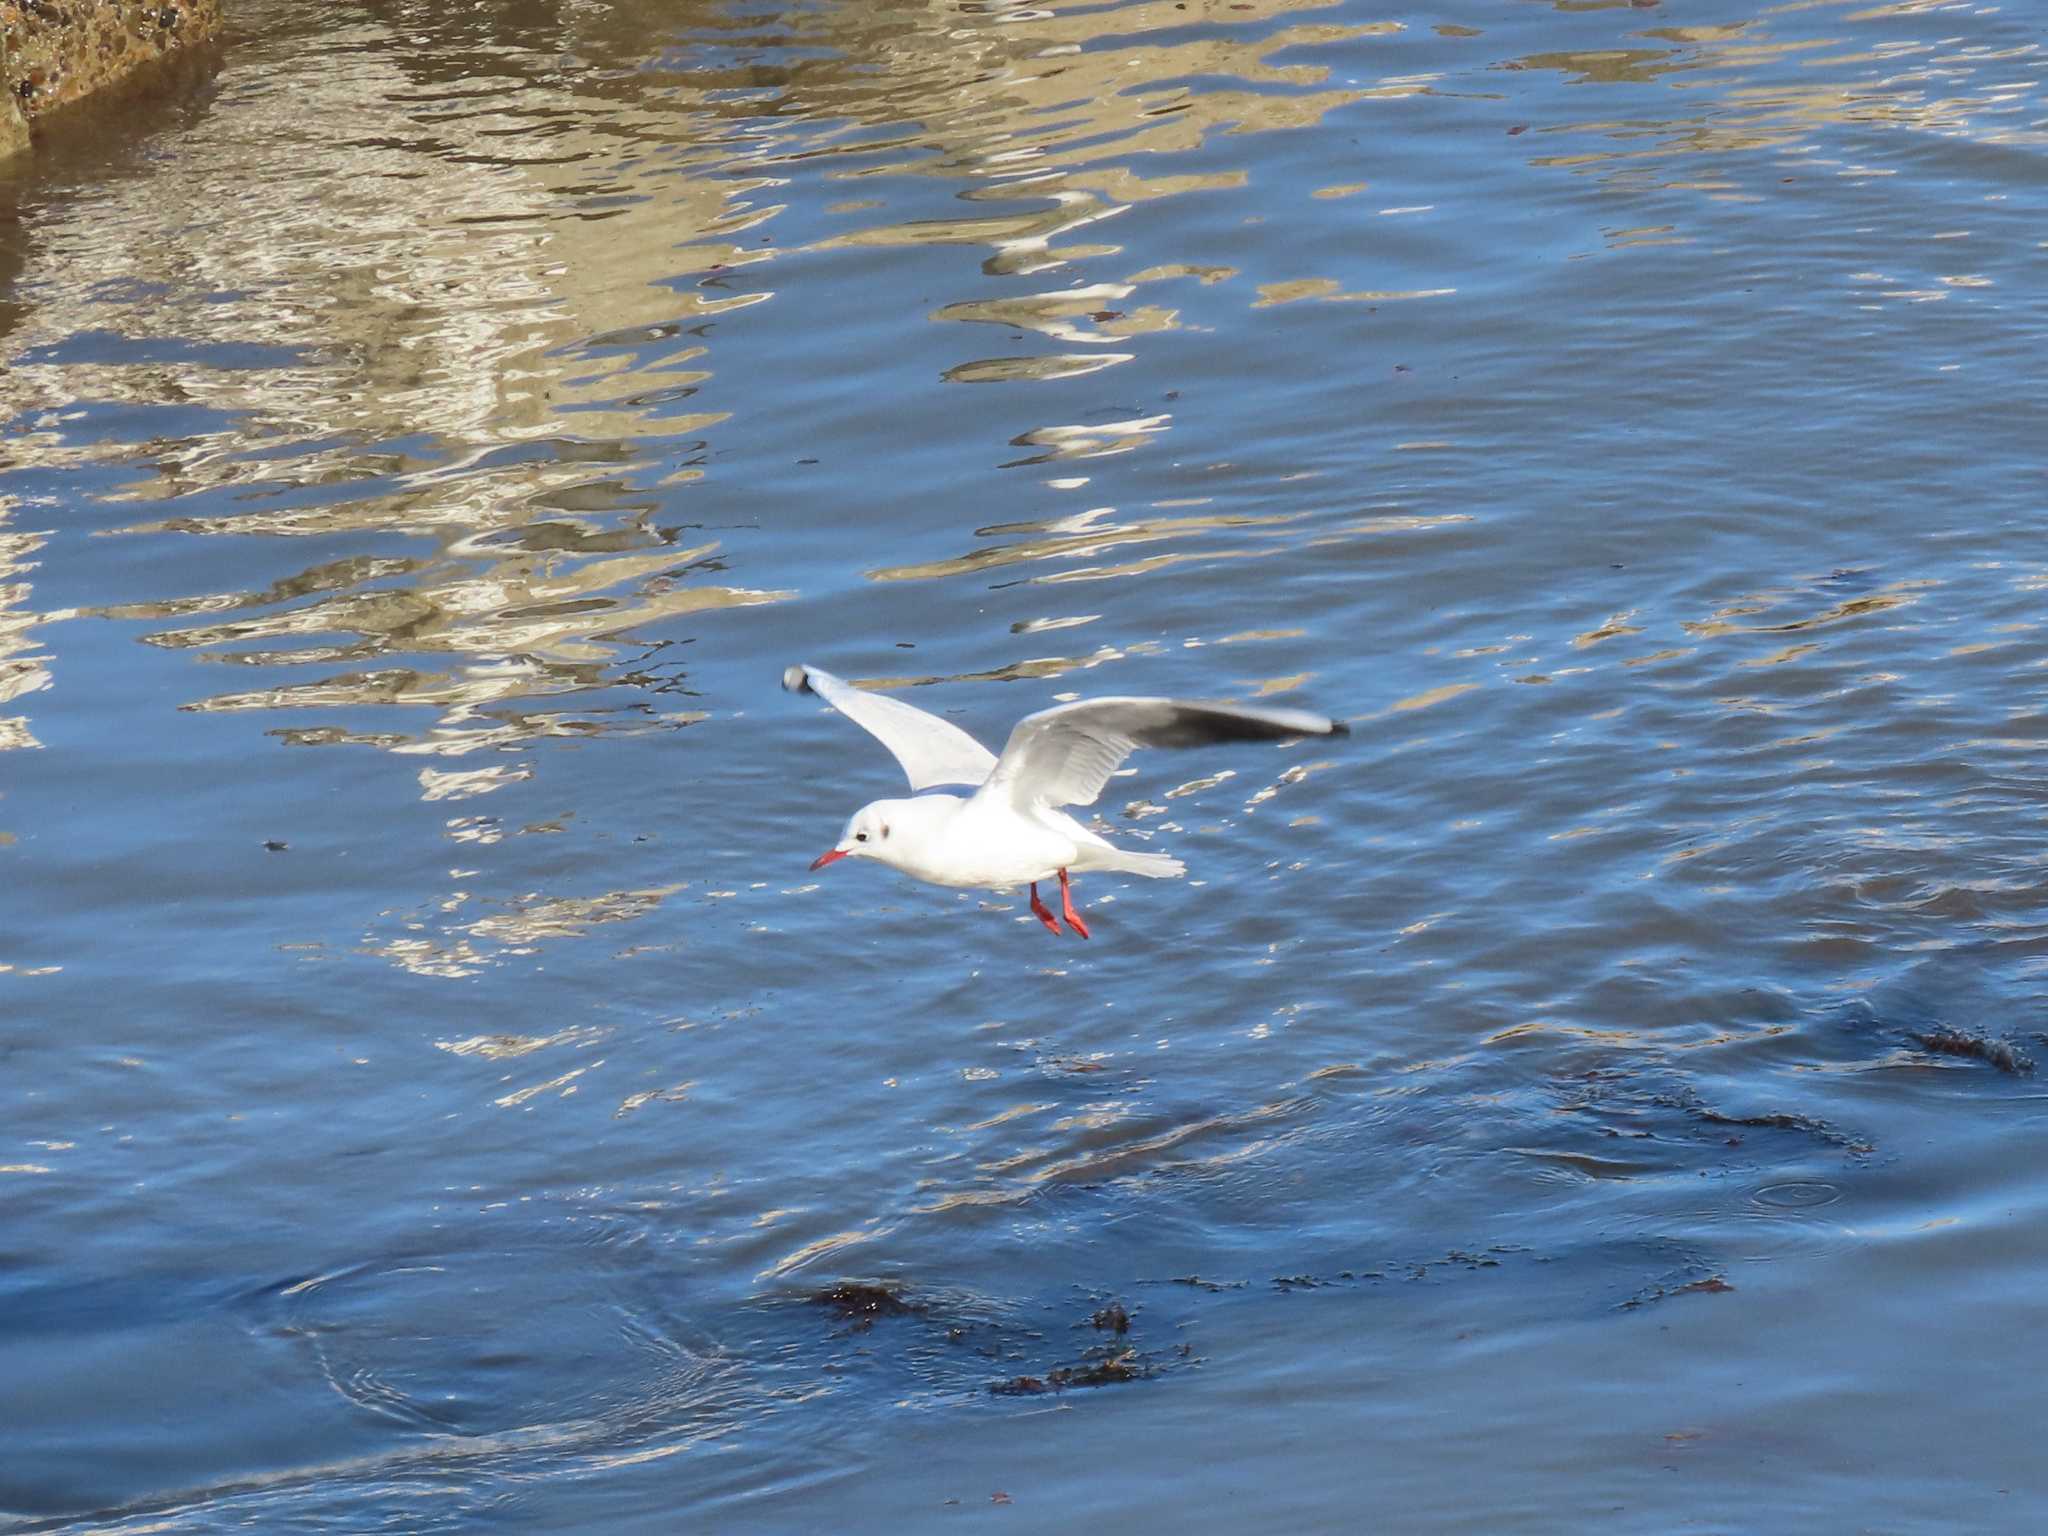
[1011,830]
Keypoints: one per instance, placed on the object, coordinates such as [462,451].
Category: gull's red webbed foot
[1067,906]
[1043,912]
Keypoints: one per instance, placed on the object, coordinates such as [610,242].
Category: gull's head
[866,836]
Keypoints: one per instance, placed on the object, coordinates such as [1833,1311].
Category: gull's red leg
[1067,906]
[1043,912]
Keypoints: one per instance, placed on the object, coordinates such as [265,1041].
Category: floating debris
[2002,1054]
[860,1303]
[1123,1365]
[1101,1366]
[1711,1285]
[1691,1103]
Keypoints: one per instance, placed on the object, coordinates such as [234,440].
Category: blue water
[1593,1096]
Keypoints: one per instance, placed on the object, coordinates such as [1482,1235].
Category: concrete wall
[56,52]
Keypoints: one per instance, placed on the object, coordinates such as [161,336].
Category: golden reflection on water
[24,664]
[1080,536]
[482,346]
[487,321]
[1910,83]
[427,945]
[1899,594]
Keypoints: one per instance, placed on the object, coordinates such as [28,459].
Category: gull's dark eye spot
[885,831]
[860,837]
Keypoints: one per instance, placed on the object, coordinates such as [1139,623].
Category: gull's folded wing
[931,750]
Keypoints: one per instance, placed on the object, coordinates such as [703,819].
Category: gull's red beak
[826,858]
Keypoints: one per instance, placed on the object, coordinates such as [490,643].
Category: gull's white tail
[1153,866]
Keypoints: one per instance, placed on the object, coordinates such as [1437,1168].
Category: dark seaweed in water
[860,1302]
[1113,1317]
[2002,1054]
[1102,1366]
[1691,1103]
[1711,1285]
[1123,1365]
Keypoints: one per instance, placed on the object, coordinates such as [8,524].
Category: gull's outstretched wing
[1064,756]
[931,750]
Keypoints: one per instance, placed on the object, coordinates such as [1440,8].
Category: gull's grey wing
[931,750]
[1064,756]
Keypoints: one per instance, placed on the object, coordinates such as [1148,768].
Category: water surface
[432,1090]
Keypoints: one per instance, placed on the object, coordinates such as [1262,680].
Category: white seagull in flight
[1011,830]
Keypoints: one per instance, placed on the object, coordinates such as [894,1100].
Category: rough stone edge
[57,53]
[13,121]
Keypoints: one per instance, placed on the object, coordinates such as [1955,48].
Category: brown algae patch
[859,1303]
[2002,1054]
[1110,1363]
[1709,1285]
[1123,1365]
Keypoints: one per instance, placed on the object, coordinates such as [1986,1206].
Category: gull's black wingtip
[1339,728]
[797,679]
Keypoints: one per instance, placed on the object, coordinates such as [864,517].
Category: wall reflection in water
[465,300]
[460,279]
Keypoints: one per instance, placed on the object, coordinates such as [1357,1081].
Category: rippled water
[1593,1096]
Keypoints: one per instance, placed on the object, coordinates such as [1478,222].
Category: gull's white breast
[985,845]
